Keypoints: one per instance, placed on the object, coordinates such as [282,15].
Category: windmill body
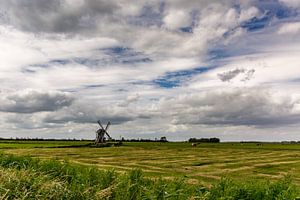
[101,133]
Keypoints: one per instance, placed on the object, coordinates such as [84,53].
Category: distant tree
[214,140]
[192,140]
[204,140]
[163,139]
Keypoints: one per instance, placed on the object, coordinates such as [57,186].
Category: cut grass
[17,144]
[206,163]
[27,178]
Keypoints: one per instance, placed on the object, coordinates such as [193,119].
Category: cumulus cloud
[177,19]
[110,54]
[56,16]
[291,3]
[129,100]
[289,28]
[90,18]
[249,13]
[243,106]
[90,112]
[27,121]
[31,101]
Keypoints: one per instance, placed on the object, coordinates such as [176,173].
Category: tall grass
[30,178]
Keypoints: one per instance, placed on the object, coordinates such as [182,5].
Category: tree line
[204,140]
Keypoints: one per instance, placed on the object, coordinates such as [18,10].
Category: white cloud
[109,55]
[177,19]
[291,3]
[249,13]
[289,29]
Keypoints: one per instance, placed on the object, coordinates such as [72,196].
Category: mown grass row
[29,178]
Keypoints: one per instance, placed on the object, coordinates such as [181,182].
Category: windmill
[101,132]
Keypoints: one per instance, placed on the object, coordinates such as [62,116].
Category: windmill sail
[101,132]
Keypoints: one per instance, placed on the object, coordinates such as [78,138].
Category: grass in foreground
[29,178]
[204,164]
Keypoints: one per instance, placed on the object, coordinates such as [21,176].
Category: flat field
[203,164]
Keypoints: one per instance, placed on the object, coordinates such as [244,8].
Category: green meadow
[201,172]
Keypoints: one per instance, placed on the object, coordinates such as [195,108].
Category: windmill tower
[101,132]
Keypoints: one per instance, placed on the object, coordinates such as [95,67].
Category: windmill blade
[108,123]
[106,128]
[108,135]
[100,124]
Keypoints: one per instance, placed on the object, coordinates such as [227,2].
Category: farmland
[136,170]
[205,164]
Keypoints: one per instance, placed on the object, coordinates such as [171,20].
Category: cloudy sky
[174,68]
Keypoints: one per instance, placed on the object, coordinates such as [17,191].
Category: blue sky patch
[258,23]
[89,62]
[175,79]
[276,9]
[94,86]
[115,55]
[271,10]
[59,62]
[188,29]
[126,55]
[218,54]
[29,71]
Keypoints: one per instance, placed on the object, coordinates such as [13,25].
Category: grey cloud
[247,106]
[248,75]
[254,107]
[32,101]
[291,3]
[229,75]
[29,121]
[56,15]
[90,112]
[113,19]
[129,100]
[103,58]
[78,113]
